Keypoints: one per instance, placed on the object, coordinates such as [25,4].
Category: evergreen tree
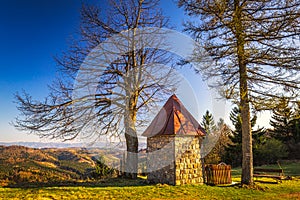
[233,153]
[286,126]
[281,121]
[295,126]
[208,123]
[294,143]
[295,123]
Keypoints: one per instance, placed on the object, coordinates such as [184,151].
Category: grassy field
[290,168]
[138,189]
[287,190]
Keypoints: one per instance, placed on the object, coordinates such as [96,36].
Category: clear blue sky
[31,33]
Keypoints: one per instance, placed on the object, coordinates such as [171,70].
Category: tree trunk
[132,143]
[247,162]
[131,165]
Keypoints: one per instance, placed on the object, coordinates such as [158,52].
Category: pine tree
[295,123]
[286,126]
[281,121]
[233,153]
[208,123]
[294,143]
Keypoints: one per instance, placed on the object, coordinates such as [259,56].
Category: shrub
[269,152]
[102,170]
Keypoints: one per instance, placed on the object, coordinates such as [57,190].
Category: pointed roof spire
[174,119]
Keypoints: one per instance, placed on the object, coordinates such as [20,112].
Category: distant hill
[19,164]
[40,145]
[50,144]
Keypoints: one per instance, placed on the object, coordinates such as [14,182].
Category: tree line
[281,141]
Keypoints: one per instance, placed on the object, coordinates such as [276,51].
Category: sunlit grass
[139,189]
[287,189]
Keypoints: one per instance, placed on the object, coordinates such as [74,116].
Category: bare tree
[117,78]
[255,47]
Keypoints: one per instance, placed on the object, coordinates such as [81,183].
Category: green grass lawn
[287,190]
[290,168]
[138,189]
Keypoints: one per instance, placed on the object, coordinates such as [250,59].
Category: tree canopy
[109,78]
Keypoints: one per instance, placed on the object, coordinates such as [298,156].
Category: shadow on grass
[240,185]
[268,182]
[110,182]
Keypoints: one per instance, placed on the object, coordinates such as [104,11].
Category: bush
[102,170]
[269,152]
[293,149]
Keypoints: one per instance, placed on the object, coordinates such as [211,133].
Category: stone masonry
[174,139]
[174,160]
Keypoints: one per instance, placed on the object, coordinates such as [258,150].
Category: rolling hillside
[20,164]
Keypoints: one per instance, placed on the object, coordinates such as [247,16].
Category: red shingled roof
[174,119]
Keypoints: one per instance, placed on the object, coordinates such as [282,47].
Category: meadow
[138,189]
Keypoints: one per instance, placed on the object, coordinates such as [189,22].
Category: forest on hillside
[21,165]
